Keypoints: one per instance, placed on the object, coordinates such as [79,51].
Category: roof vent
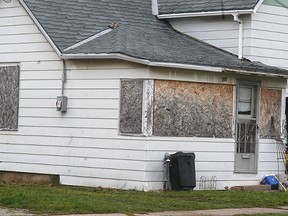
[7,1]
[113,25]
[155,7]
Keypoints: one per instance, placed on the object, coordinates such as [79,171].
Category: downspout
[240,36]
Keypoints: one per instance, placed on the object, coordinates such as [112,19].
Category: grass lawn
[68,200]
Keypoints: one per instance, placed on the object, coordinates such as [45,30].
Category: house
[98,92]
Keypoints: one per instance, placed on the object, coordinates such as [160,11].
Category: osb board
[193,109]
[131,106]
[270,112]
[9,97]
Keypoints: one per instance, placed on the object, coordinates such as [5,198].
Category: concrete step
[260,188]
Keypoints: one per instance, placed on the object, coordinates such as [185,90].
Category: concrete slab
[16,212]
[95,215]
[219,212]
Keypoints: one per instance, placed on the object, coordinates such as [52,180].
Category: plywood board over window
[9,97]
[270,112]
[193,109]
[131,106]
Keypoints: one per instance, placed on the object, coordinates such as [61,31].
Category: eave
[210,13]
[120,56]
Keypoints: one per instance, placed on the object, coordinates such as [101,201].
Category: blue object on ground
[270,180]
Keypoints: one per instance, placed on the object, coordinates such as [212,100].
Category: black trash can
[182,171]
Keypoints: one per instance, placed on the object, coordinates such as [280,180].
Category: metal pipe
[240,35]
[166,179]
[64,77]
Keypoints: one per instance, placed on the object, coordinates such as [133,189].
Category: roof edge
[202,14]
[256,73]
[120,56]
[141,61]
[44,33]
[258,5]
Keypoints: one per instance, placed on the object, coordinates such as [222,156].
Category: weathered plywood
[9,97]
[270,112]
[131,106]
[193,109]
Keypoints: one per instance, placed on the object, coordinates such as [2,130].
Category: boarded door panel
[270,108]
[9,97]
[192,109]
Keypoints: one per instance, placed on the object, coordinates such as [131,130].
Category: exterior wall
[214,156]
[83,146]
[269,36]
[220,31]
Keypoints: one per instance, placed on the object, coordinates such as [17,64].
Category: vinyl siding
[269,36]
[214,157]
[220,31]
[82,145]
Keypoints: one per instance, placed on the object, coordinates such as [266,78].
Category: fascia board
[258,5]
[255,73]
[141,61]
[167,64]
[203,14]
[24,5]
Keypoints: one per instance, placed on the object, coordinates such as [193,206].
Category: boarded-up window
[270,112]
[9,97]
[131,106]
[193,109]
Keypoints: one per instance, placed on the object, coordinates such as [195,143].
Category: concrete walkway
[214,212]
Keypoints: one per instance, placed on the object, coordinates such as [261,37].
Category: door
[247,127]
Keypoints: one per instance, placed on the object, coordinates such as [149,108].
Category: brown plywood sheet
[193,109]
[270,112]
[131,106]
[9,97]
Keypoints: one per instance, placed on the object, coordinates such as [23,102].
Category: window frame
[255,86]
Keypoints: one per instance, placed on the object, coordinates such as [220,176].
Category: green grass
[68,200]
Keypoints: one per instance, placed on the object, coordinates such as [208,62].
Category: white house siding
[83,146]
[220,31]
[214,156]
[269,36]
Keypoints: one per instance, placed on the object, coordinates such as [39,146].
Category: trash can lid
[182,154]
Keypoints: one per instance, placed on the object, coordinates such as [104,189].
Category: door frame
[253,118]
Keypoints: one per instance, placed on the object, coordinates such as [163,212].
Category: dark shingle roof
[194,6]
[140,34]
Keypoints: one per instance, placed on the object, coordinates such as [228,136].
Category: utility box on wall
[182,171]
[61,103]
